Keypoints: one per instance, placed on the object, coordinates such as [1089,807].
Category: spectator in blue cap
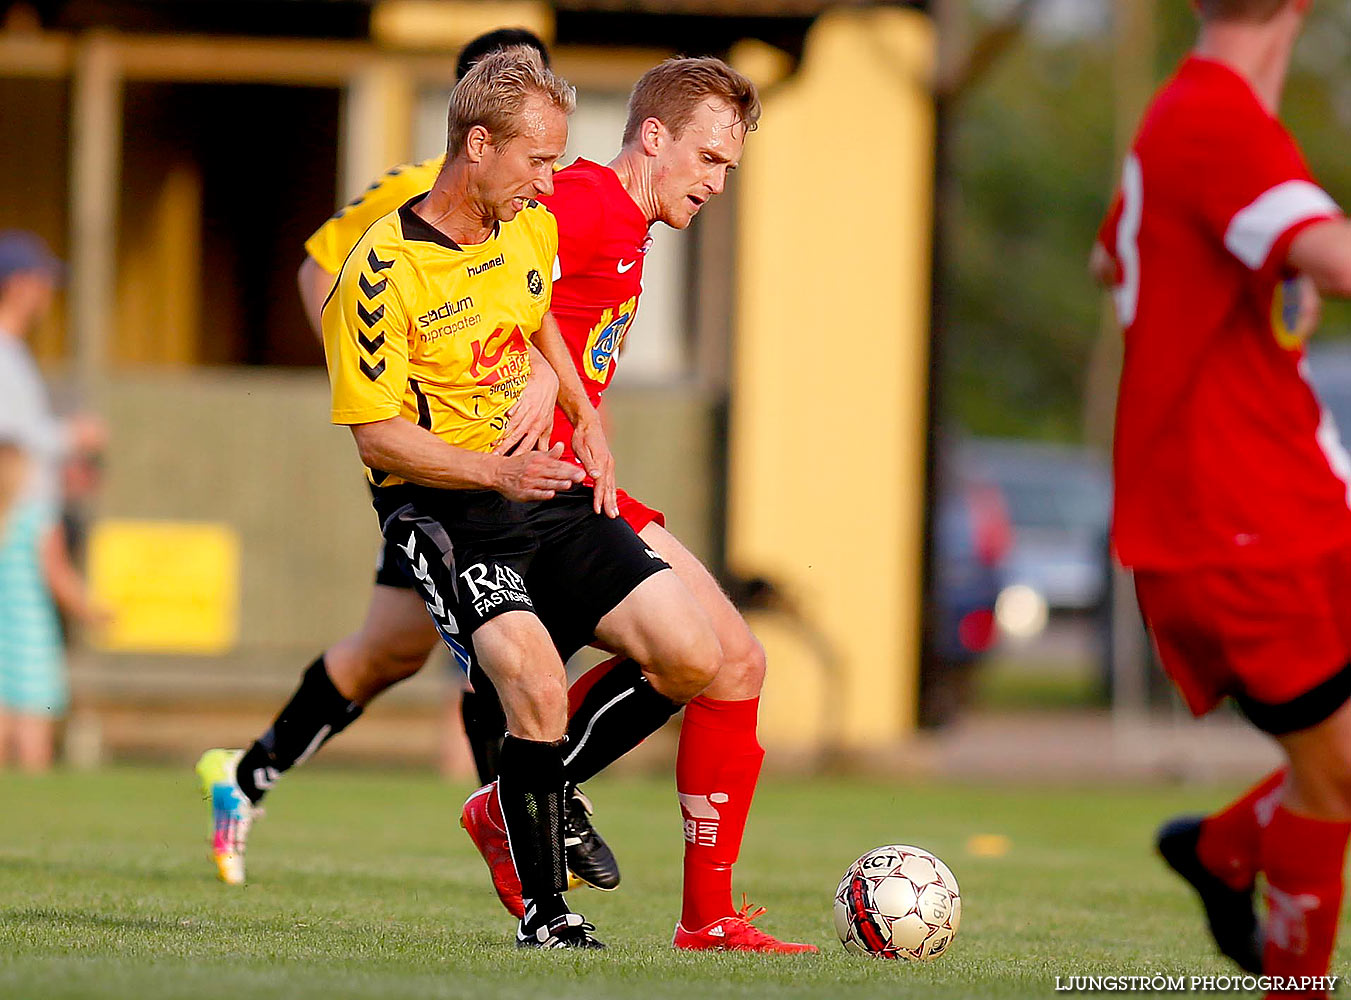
[34,572]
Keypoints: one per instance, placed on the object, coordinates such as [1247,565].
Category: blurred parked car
[970,542]
[972,537]
[1059,502]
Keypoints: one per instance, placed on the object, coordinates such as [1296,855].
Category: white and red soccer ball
[898,902]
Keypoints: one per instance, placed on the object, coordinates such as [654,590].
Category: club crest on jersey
[605,339]
[535,283]
[1286,305]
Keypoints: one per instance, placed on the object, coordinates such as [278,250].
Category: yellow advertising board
[172,586]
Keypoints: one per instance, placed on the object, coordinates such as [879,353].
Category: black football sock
[314,715]
[530,789]
[484,724]
[617,714]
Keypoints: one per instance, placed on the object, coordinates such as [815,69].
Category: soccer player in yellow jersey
[425,335]
[394,640]
[396,636]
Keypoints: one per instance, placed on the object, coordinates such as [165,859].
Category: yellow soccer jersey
[420,327]
[331,241]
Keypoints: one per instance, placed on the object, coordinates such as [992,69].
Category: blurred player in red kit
[1232,490]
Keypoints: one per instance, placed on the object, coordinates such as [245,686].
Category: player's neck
[1258,53]
[632,169]
[451,208]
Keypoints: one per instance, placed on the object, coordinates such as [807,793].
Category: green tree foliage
[1030,169]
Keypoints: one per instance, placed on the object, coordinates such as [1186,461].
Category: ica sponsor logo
[488,354]
[605,339]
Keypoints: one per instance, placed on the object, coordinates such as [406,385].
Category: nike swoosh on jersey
[623,267]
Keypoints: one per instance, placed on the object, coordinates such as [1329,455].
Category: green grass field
[364,886]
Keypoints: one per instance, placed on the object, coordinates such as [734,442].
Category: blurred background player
[36,573]
[1232,486]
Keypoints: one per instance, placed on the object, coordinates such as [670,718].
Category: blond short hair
[493,94]
[670,92]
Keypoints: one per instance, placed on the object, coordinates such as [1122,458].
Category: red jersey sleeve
[1256,193]
[580,215]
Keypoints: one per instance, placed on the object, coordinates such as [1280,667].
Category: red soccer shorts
[638,514]
[1277,640]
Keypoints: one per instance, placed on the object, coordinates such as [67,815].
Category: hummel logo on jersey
[477,269]
[624,266]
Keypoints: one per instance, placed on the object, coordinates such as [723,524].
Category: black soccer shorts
[474,555]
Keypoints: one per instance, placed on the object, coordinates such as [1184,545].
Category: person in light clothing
[32,662]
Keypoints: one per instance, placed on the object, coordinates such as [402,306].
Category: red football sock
[1229,838]
[717,767]
[582,685]
[1302,859]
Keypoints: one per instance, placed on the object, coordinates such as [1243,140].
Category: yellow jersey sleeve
[367,330]
[330,244]
[544,230]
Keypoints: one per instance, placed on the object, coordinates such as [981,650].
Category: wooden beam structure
[219,59]
[95,168]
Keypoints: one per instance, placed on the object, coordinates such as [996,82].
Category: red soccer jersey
[602,238]
[1223,455]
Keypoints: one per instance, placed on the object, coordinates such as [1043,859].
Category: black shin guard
[484,724]
[530,788]
[314,715]
[617,714]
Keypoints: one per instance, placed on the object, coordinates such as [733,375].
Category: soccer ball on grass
[898,902]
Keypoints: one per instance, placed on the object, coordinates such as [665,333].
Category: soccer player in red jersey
[686,127]
[1232,490]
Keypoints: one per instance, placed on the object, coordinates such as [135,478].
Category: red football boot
[482,820]
[737,933]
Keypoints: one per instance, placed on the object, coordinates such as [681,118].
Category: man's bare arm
[413,453]
[1101,266]
[1322,252]
[315,284]
[588,438]
[571,394]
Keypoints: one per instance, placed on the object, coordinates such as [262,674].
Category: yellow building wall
[831,375]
